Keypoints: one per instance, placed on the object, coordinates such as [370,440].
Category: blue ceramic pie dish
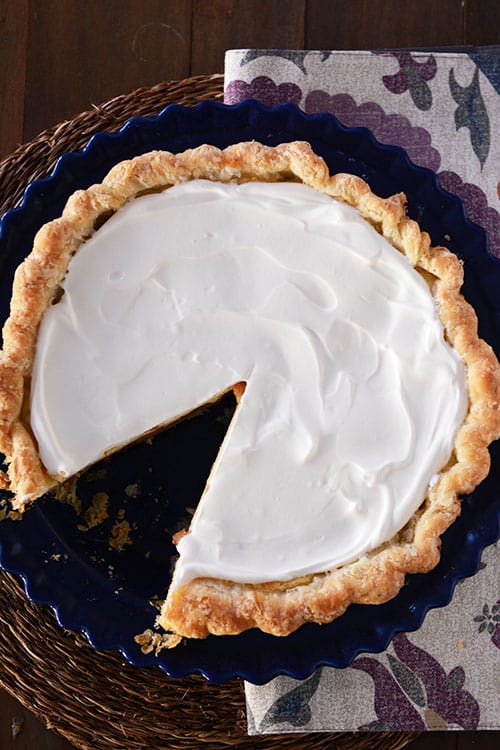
[107,594]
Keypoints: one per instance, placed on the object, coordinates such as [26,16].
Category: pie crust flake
[204,604]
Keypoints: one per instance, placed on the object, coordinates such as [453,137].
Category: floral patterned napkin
[444,109]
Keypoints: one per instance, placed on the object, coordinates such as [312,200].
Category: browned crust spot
[213,606]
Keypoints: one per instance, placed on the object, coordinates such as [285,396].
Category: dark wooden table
[59,57]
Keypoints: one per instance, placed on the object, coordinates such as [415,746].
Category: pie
[366,401]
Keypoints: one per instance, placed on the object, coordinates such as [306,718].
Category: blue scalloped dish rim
[107,595]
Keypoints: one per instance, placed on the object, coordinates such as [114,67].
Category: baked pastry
[366,399]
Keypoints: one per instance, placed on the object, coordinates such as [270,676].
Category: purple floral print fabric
[444,110]
[395,129]
[412,76]
[265,91]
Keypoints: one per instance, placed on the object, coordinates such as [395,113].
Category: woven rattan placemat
[94,699]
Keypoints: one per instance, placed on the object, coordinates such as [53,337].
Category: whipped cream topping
[353,397]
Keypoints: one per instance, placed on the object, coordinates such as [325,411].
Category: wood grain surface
[60,57]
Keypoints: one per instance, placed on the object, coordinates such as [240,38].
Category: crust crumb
[132,490]
[67,493]
[98,511]
[120,535]
[157,642]
[156,602]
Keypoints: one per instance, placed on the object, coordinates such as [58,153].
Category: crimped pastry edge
[206,606]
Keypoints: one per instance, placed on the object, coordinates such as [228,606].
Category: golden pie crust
[205,605]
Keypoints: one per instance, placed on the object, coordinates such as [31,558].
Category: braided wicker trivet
[94,699]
